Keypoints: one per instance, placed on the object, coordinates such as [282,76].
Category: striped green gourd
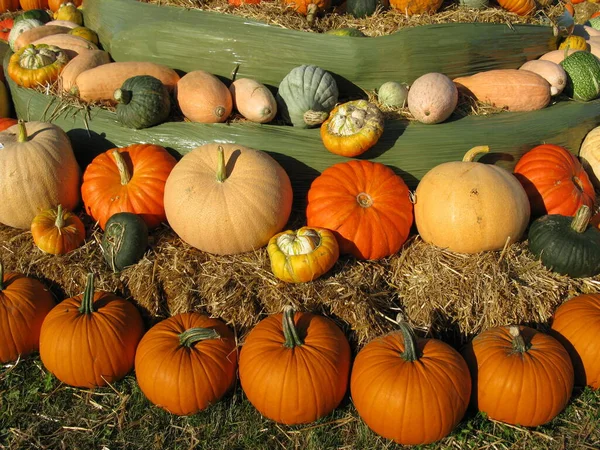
[583,73]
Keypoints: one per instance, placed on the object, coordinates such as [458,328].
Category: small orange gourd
[57,231]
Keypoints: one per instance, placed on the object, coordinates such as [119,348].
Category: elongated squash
[72,45]
[84,61]
[63,23]
[204,98]
[101,82]
[253,100]
[33,34]
[515,90]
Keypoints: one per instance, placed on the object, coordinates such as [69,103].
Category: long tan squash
[516,90]
[33,34]
[100,83]
[84,61]
[73,45]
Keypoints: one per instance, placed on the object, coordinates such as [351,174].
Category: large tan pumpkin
[229,211]
[469,207]
[38,171]
[589,153]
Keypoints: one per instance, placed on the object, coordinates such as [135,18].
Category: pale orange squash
[202,97]
[33,34]
[72,45]
[253,100]
[82,62]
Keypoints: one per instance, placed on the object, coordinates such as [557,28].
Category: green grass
[37,411]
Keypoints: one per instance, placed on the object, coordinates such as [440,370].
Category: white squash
[432,98]
[553,73]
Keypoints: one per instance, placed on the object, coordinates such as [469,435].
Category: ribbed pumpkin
[227,199]
[36,65]
[306,95]
[186,363]
[204,98]
[520,376]
[589,154]
[576,324]
[520,7]
[90,340]
[129,179]
[57,231]
[414,391]
[9,5]
[294,368]
[34,4]
[410,7]
[38,171]
[555,181]
[365,204]
[24,303]
[142,102]
[308,8]
[469,207]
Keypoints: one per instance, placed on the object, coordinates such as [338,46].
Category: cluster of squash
[295,367]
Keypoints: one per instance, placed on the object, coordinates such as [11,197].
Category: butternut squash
[515,90]
[84,61]
[202,97]
[33,34]
[72,45]
[100,83]
[553,73]
[253,100]
[556,56]
[63,23]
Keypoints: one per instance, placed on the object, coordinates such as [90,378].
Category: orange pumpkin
[33,4]
[90,340]
[7,122]
[576,324]
[555,181]
[129,179]
[6,24]
[520,7]
[365,204]
[294,367]
[243,2]
[308,8]
[186,362]
[24,303]
[414,391]
[410,7]
[55,4]
[57,232]
[520,376]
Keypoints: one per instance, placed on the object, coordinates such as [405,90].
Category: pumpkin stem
[122,96]
[311,12]
[471,154]
[582,218]
[22,136]
[221,169]
[289,329]
[1,276]
[60,221]
[192,335]
[122,166]
[410,352]
[314,118]
[518,342]
[87,301]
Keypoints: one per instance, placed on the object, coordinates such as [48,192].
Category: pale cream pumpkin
[432,98]
[469,207]
[38,171]
[202,97]
[227,201]
[589,153]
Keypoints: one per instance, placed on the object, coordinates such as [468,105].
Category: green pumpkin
[348,31]
[143,101]
[125,240]
[567,245]
[361,8]
[37,14]
[306,95]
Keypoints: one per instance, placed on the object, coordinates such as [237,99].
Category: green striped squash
[583,73]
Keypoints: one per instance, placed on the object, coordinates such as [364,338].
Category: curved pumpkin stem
[471,154]
[582,218]
[1,276]
[410,353]
[60,221]
[192,335]
[87,301]
[22,136]
[518,342]
[122,166]
[289,329]
[221,169]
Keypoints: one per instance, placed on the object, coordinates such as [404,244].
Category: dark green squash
[567,245]
[125,240]
[143,101]
[347,31]
[361,8]
[37,14]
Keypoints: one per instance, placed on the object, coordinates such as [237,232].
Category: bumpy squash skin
[583,70]
[125,240]
[143,102]
[34,74]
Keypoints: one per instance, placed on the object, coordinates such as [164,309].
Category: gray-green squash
[143,101]
[125,240]
[306,95]
[361,8]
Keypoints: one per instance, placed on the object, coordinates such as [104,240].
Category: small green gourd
[37,14]
[143,101]
[393,93]
[125,240]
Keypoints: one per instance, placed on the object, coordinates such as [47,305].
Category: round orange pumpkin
[186,362]
[414,391]
[55,4]
[33,4]
[6,24]
[308,8]
[555,181]
[90,340]
[520,376]
[294,368]
[129,179]
[57,232]
[576,324]
[520,7]
[365,204]
[7,122]
[410,7]
[24,303]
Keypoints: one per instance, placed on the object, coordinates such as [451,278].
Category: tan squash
[33,34]
[556,56]
[227,201]
[72,45]
[101,82]
[552,72]
[589,154]
[469,207]
[84,61]
[432,98]
[253,100]
[202,97]
[63,23]
[594,46]
[515,90]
